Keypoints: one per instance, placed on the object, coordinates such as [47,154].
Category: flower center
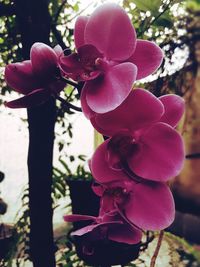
[87,56]
[118,194]
[120,148]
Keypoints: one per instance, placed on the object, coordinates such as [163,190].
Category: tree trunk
[34,24]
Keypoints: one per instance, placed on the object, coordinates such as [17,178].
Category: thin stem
[155,255]
[156,18]
[59,11]
[70,82]
[67,104]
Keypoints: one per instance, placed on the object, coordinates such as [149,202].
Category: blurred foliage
[175,26]
[19,249]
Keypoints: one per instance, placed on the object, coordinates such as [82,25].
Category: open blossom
[35,78]
[109,225]
[146,204]
[142,138]
[109,58]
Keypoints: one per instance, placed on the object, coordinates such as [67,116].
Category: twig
[155,255]
[58,36]
[59,10]
[70,82]
[67,104]
[156,18]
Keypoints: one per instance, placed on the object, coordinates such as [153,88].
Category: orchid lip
[120,147]
[104,64]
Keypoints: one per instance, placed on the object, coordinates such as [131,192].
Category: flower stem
[155,255]
[70,82]
[67,104]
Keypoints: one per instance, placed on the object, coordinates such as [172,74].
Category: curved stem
[155,255]
[70,82]
[67,104]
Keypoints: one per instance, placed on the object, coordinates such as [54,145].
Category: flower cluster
[36,78]
[132,166]
[142,150]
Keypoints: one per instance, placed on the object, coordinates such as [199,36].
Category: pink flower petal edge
[147,57]
[108,92]
[174,108]
[110,30]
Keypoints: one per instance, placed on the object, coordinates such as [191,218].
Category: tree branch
[59,11]
[58,36]
[67,104]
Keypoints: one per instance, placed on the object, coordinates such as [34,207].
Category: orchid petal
[107,92]
[90,228]
[43,59]
[78,217]
[131,114]
[98,189]
[100,168]
[110,30]
[88,54]
[79,30]
[71,64]
[35,98]
[147,57]
[58,50]
[160,153]
[174,108]
[107,205]
[124,233]
[151,206]
[20,77]
[86,109]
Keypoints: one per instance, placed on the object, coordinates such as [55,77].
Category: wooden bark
[34,25]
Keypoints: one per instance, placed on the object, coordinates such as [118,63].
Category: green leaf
[146,5]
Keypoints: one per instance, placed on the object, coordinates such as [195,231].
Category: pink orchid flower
[142,138]
[144,204]
[35,78]
[109,58]
[109,225]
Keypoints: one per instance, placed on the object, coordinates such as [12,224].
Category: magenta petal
[147,57]
[88,54]
[77,217]
[90,228]
[110,90]
[107,205]
[71,64]
[85,230]
[86,109]
[100,168]
[151,206]
[43,59]
[110,30]
[174,108]
[58,50]
[124,233]
[98,189]
[35,98]
[160,155]
[131,114]
[79,30]
[20,77]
